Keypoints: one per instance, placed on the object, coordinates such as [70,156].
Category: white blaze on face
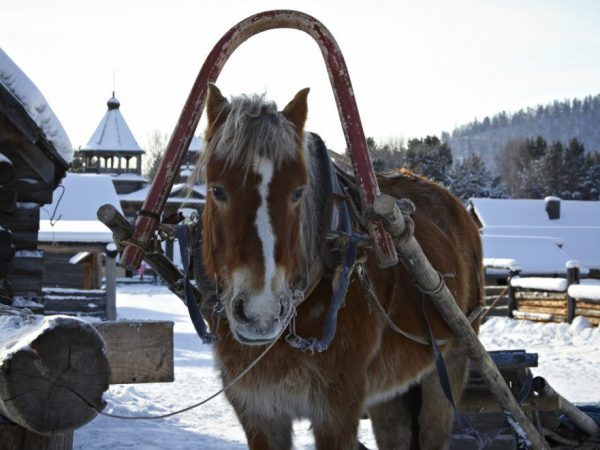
[264,228]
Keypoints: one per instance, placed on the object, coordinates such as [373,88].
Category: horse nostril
[238,309]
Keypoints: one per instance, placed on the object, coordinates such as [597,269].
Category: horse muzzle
[259,319]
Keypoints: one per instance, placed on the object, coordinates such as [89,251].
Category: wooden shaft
[53,371]
[581,419]
[163,266]
[428,278]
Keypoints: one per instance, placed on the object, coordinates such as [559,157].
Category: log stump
[53,371]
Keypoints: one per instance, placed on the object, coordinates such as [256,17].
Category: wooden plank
[587,312]
[28,263]
[543,303]
[139,351]
[541,317]
[588,303]
[543,310]
[540,295]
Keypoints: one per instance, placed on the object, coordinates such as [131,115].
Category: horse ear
[297,109]
[216,108]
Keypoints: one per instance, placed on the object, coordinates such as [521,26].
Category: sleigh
[388,233]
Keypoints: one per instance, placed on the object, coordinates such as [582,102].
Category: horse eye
[297,194]
[218,193]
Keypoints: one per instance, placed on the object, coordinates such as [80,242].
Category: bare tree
[155,151]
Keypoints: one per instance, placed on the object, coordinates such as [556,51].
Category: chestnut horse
[262,232]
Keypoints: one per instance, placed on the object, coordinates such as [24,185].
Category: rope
[195,405]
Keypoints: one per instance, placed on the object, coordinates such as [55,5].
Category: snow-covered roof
[178,194]
[75,217]
[577,231]
[499,212]
[113,133]
[196,145]
[14,80]
[534,255]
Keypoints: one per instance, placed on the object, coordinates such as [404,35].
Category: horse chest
[272,396]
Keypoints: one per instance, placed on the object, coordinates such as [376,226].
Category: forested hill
[558,121]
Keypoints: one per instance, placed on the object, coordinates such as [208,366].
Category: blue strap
[337,299]
[444,379]
[190,301]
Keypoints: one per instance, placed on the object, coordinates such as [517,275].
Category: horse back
[447,233]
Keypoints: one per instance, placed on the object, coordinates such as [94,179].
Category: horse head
[258,178]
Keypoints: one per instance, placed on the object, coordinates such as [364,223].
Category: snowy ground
[569,358]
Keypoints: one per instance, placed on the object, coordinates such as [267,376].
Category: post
[512,300]
[111,281]
[572,278]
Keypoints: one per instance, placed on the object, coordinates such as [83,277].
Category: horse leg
[337,425]
[265,431]
[393,420]
[437,415]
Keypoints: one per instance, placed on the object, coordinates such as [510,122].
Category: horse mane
[254,128]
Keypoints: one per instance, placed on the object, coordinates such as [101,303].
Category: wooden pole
[582,420]
[111,281]
[431,281]
[53,371]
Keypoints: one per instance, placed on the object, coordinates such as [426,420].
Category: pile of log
[541,305]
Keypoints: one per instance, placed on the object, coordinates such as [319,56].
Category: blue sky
[417,67]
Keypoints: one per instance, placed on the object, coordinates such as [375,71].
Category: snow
[545,284]
[75,213]
[576,231]
[566,352]
[587,290]
[13,79]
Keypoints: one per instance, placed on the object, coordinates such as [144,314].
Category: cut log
[22,219]
[7,246]
[4,268]
[14,437]
[7,171]
[139,351]
[53,371]
[8,199]
[35,191]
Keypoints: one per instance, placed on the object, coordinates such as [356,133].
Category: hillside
[558,121]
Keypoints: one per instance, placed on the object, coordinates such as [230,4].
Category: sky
[417,67]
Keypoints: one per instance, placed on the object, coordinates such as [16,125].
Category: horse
[262,232]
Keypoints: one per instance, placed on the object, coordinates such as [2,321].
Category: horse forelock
[253,129]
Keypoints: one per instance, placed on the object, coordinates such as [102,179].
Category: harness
[342,253]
